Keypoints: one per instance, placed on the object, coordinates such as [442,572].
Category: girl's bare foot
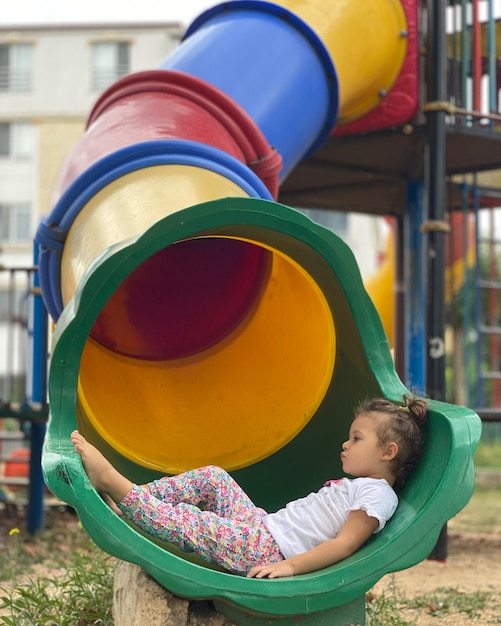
[112,504]
[103,476]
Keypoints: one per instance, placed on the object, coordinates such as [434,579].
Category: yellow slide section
[266,380]
[367,43]
[143,197]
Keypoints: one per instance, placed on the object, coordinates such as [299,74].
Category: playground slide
[201,322]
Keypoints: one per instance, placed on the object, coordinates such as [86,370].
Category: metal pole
[465,59]
[435,225]
[36,512]
[400,297]
[415,297]
[479,399]
[491,47]
[468,298]
[477,56]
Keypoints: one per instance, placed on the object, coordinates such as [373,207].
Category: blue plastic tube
[284,79]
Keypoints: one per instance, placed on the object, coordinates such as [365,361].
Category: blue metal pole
[35,520]
[415,325]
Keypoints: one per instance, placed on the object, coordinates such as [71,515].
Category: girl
[205,511]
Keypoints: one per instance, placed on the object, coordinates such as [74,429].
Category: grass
[391,609]
[384,609]
[488,455]
[79,595]
[486,501]
[75,587]
[53,547]
[445,601]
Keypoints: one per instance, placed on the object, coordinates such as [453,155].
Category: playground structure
[132,340]
[205,205]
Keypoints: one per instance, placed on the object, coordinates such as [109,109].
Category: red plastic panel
[159,104]
[184,299]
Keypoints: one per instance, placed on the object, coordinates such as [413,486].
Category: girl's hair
[404,427]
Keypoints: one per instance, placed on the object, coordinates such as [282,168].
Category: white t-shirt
[306,522]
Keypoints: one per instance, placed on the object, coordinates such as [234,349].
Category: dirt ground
[471,571]
[472,568]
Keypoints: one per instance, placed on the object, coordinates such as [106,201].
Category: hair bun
[417,409]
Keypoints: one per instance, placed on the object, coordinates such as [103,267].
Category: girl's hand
[272,570]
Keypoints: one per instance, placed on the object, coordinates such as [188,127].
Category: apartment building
[50,78]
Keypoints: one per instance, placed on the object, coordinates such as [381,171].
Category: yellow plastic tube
[261,371]
[367,43]
[130,205]
[233,404]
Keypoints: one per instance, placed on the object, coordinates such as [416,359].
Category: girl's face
[361,455]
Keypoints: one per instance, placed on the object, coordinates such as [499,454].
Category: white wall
[17,183]
[59,104]
[62,63]
[366,238]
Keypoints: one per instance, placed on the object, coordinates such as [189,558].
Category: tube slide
[201,322]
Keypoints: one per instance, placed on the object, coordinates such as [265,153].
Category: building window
[16,140]
[110,61]
[16,61]
[15,222]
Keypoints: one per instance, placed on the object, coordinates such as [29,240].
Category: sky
[35,12]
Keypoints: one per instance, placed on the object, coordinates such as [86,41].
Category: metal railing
[23,345]
[23,376]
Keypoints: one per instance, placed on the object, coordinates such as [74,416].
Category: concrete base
[140,600]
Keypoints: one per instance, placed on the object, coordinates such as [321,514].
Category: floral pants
[204,511]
